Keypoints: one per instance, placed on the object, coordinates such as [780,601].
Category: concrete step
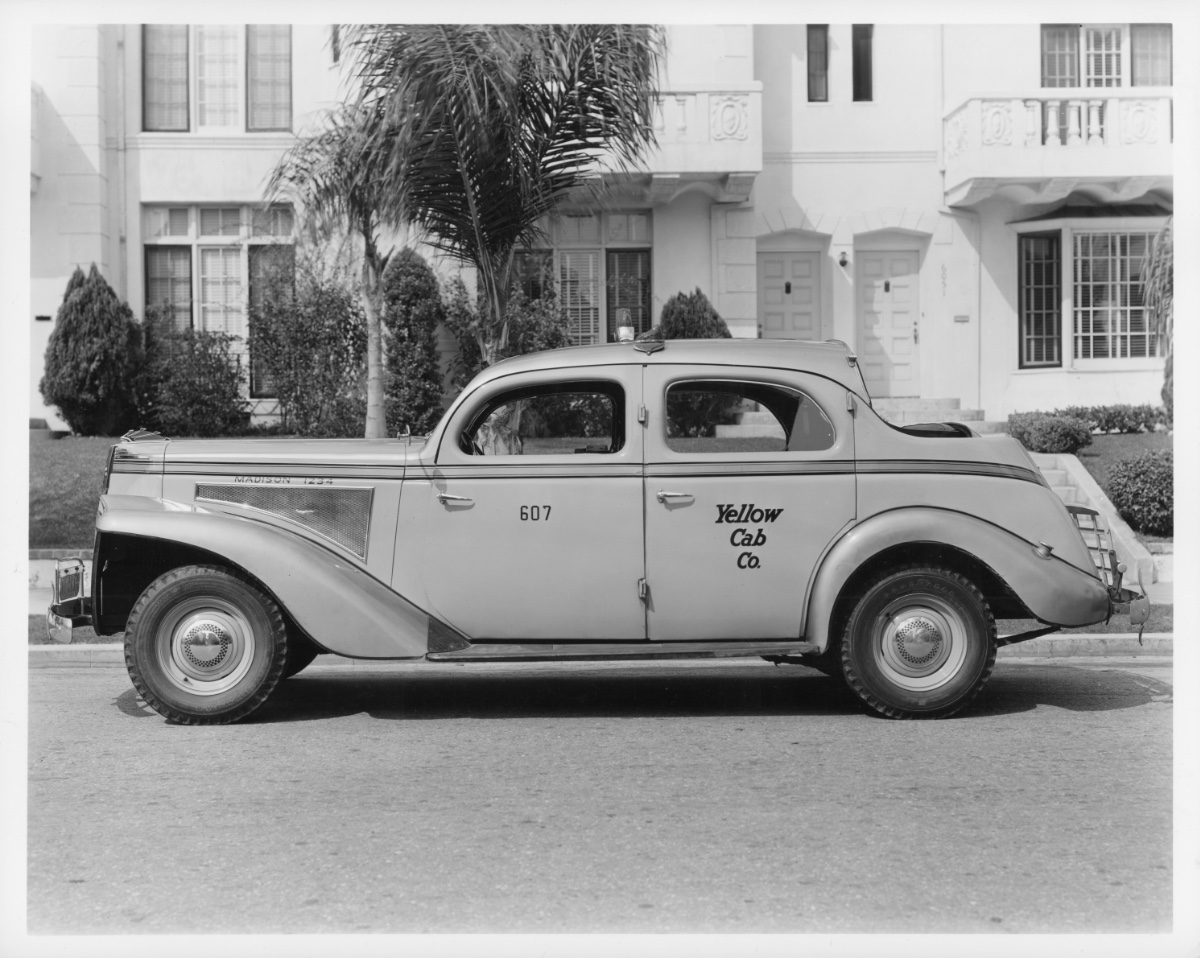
[1045,460]
[1066,493]
[905,417]
[1056,477]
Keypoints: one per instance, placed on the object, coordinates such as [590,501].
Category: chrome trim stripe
[286,470]
[523,471]
[143,468]
[948,467]
[742,468]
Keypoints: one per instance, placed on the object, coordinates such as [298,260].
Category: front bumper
[70,606]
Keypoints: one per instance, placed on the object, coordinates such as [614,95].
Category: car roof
[832,359]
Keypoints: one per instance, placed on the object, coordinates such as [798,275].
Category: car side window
[549,420]
[720,416]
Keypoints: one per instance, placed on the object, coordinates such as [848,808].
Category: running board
[583,651]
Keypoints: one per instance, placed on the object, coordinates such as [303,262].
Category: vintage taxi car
[632,500]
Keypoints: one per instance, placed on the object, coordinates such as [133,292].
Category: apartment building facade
[967,206]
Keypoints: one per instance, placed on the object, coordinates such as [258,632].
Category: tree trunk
[376,427]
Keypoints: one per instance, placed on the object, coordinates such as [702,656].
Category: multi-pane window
[1040,300]
[601,263]
[818,62]
[165,77]
[209,267]
[1110,319]
[862,39]
[1106,55]
[216,77]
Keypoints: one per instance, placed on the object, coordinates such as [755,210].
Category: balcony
[1110,143]
[707,138]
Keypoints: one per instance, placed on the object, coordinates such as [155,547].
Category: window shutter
[217,76]
[579,290]
[169,283]
[269,77]
[1151,44]
[165,78]
[1060,55]
[628,286]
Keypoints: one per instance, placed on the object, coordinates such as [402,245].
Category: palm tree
[333,175]
[482,130]
[1158,280]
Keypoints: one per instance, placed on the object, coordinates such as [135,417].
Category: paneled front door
[887,322]
[789,295]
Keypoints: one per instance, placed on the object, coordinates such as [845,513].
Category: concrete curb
[1124,645]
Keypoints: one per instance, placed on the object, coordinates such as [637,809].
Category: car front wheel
[919,643]
[204,646]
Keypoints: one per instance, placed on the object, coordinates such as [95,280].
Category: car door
[534,526]
[749,476]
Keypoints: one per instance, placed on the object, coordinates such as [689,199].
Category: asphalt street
[697,797]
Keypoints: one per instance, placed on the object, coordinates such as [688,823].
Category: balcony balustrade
[708,135]
[1115,141]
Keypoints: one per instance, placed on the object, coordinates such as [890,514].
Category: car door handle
[662,495]
[445,497]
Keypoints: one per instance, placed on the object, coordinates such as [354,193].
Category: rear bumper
[70,606]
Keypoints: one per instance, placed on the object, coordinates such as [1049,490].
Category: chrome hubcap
[920,642]
[205,646]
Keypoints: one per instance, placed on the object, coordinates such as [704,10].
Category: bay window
[1080,294]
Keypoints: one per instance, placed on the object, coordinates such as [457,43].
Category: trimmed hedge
[411,314]
[1043,432]
[1122,417]
[1143,490]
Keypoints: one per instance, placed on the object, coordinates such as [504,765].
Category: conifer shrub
[691,316]
[1044,432]
[411,314]
[93,358]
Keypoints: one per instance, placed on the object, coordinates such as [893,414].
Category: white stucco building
[967,206]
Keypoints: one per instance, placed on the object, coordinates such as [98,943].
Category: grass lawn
[64,486]
[1100,457]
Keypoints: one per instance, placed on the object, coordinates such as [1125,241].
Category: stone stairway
[902,411]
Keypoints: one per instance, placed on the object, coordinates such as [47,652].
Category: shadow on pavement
[495,694]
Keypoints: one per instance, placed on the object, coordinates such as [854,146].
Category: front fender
[1052,589]
[339,605]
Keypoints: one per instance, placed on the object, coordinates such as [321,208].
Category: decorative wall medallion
[956,136]
[997,123]
[730,117]
[1139,123]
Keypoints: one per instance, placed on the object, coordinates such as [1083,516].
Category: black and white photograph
[539,481]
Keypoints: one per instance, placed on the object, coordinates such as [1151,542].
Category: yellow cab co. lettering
[742,537]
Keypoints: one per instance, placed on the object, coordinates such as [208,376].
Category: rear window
[721,416]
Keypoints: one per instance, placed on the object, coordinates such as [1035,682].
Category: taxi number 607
[535,513]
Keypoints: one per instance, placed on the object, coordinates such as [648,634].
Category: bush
[191,383]
[308,336]
[691,316]
[1120,418]
[1042,432]
[533,325]
[1142,489]
[411,314]
[93,358]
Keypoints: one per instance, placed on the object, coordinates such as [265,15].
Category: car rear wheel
[204,646]
[919,643]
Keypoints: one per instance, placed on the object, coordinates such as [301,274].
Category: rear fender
[1052,589]
[343,608]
